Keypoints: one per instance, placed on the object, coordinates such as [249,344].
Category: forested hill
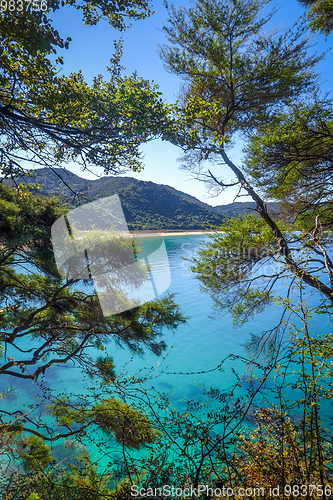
[242,208]
[146,205]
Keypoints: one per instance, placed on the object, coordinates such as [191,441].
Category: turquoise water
[197,346]
[200,344]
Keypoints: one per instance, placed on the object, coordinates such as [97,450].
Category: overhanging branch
[280,239]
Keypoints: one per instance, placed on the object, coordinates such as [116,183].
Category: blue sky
[92,47]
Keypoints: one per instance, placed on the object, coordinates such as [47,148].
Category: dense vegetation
[238,77]
[146,205]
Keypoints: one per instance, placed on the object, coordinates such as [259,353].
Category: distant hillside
[232,209]
[146,205]
[242,208]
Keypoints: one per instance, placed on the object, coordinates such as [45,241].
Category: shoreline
[163,233]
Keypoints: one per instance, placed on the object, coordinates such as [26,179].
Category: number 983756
[23,5]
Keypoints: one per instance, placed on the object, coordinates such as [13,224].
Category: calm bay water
[197,346]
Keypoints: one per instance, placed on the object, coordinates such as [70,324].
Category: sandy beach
[149,234]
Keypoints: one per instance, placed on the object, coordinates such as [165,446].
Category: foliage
[289,443]
[268,434]
[320,15]
[231,265]
[79,480]
[130,427]
[61,322]
[40,305]
[48,119]
[146,205]
[114,12]
[34,453]
[47,321]
[106,368]
[290,158]
[238,79]
[237,75]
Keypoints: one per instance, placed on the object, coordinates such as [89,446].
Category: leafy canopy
[236,74]
[290,159]
[61,317]
[238,77]
[320,15]
[47,119]
[229,264]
